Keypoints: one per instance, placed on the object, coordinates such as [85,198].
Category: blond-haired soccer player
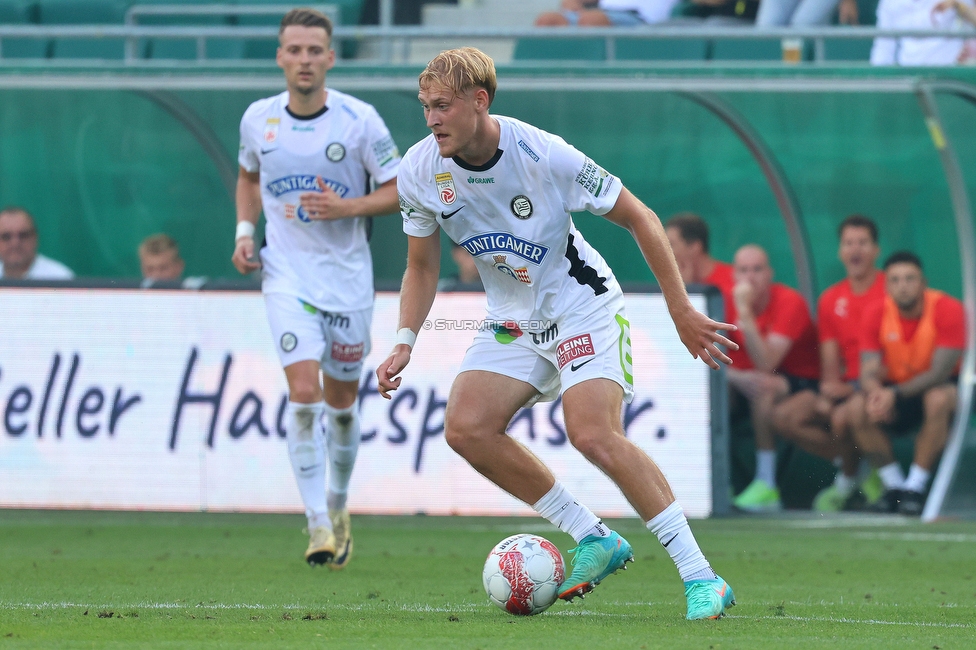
[307,157]
[515,220]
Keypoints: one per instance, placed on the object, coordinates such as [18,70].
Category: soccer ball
[523,573]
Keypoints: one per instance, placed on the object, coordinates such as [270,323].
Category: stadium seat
[685,49]
[746,50]
[14,12]
[562,49]
[848,49]
[84,12]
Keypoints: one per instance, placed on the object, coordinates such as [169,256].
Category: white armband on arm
[244,229]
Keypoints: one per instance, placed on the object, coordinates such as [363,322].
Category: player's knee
[305,392]
[937,402]
[590,442]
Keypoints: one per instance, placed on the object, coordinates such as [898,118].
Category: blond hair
[461,70]
[158,244]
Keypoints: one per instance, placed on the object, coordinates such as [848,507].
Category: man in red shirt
[911,345]
[777,357]
[688,234]
[815,421]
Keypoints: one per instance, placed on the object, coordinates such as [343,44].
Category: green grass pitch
[148,580]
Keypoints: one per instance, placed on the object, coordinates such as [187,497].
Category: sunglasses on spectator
[23,235]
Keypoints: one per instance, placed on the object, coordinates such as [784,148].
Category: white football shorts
[339,342]
[559,354]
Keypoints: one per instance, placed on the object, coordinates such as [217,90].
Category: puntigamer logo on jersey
[304,183]
[503,242]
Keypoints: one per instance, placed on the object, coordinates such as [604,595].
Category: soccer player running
[513,215]
[307,156]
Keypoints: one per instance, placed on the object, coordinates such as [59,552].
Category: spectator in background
[777,357]
[965,11]
[467,278]
[19,259]
[911,344]
[607,13]
[159,258]
[918,14]
[805,13]
[688,234]
[815,420]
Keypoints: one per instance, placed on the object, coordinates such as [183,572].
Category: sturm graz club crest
[522,207]
[288,341]
[335,152]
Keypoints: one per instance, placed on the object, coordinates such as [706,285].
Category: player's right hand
[386,373]
[243,254]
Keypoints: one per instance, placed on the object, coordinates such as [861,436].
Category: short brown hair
[859,221]
[306,18]
[691,227]
[158,244]
[461,70]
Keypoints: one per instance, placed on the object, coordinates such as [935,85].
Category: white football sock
[565,512]
[342,440]
[844,483]
[671,528]
[766,466]
[304,434]
[918,479]
[892,476]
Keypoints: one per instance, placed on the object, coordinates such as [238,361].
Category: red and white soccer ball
[523,573]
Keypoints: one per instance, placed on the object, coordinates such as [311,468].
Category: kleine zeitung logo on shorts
[347,353]
[574,348]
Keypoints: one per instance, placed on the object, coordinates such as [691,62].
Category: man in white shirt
[308,157]
[607,13]
[918,14]
[504,190]
[19,259]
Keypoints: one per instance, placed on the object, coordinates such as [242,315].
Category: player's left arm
[698,332]
[944,361]
[326,205]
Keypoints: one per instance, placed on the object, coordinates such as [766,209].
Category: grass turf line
[221,580]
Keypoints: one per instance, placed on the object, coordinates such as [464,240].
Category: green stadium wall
[101,170]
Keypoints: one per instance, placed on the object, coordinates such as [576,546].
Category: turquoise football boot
[593,560]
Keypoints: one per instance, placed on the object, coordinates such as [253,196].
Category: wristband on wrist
[244,229]
[406,336]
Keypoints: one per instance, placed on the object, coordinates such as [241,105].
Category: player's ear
[481,101]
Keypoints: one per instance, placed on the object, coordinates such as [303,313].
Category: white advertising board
[172,400]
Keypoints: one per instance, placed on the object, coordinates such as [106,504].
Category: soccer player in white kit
[504,190]
[307,157]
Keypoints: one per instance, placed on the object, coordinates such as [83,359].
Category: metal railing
[388,35]
[135,12]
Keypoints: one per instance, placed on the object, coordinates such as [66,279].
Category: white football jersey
[513,215]
[325,263]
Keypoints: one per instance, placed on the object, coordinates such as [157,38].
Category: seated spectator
[777,357]
[688,234]
[924,14]
[19,259]
[805,13]
[468,278]
[719,12]
[607,13]
[965,11]
[159,258]
[911,345]
[815,420]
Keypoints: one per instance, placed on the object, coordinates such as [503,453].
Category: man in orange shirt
[911,345]
[777,357]
[814,420]
[688,234]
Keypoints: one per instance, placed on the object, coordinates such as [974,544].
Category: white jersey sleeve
[381,158]
[583,185]
[417,221]
[247,155]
